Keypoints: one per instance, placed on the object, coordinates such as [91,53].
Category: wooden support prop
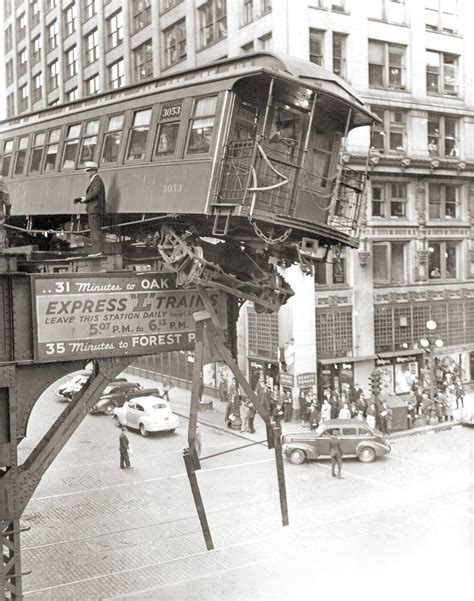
[188,462]
[280,474]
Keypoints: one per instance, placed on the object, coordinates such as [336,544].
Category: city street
[402,525]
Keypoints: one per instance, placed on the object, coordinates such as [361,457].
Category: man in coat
[124,446]
[335,450]
[95,206]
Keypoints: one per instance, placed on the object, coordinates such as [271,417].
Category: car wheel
[109,409]
[367,454]
[143,430]
[117,421]
[297,456]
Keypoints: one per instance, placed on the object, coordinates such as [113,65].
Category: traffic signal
[375,384]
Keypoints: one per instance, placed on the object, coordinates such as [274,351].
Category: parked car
[77,380]
[75,387]
[357,440]
[115,395]
[147,414]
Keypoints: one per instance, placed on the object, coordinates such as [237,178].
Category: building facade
[410,61]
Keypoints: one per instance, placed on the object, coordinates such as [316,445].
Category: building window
[202,124]
[143,61]
[334,332]
[338,5]
[116,74]
[7,7]
[442,261]
[21,62]
[442,140]
[138,135]
[390,135]
[442,199]
[389,200]
[50,4]
[52,34]
[23,98]
[441,15]
[339,54]
[115,30]
[10,104]
[175,43]
[169,4]
[36,50]
[141,14]
[72,95]
[386,65]
[91,47]
[316,46]
[52,147]
[20,27]
[70,15]
[34,13]
[265,42]
[389,262]
[247,48]
[392,11]
[37,152]
[112,139]
[8,38]
[212,22]
[441,73]
[37,87]
[20,155]
[90,131]
[70,62]
[53,75]
[89,9]
[330,272]
[247,12]
[9,72]
[92,85]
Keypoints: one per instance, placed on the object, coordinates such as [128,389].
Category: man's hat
[90,166]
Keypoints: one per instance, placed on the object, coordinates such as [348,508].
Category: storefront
[334,374]
[269,370]
[398,371]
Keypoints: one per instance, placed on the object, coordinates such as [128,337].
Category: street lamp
[430,343]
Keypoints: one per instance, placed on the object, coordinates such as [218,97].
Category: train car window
[52,150]
[37,152]
[285,132]
[139,135]
[7,157]
[20,155]
[202,124]
[112,139]
[90,131]
[245,122]
[168,129]
[71,146]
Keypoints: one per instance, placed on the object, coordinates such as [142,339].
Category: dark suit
[123,446]
[95,206]
[335,451]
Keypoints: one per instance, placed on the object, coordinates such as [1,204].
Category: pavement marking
[146,481]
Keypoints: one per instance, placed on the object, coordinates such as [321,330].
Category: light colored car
[147,414]
[74,383]
[357,440]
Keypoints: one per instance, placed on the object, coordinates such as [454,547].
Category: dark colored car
[116,394]
[357,440]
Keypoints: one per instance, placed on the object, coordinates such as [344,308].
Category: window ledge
[387,89]
[387,22]
[201,49]
[441,32]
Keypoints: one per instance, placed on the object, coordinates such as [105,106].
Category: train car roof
[230,70]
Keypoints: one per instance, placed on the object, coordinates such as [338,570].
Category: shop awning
[347,359]
[404,353]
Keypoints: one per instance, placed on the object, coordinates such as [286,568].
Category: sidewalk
[180,402]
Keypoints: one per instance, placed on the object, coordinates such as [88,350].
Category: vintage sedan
[357,440]
[117,393]
[147,414]
[74,382]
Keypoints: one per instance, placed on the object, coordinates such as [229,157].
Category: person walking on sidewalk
[244,416]
[166,390]
[335,450]
[287,405]
[252,413]
[459,394]
[124,446]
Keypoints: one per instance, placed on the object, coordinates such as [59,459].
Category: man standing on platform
[335,450]
[95,206]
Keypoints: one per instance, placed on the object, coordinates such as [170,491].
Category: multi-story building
[410,61]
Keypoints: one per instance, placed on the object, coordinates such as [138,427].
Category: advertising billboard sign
[107,315]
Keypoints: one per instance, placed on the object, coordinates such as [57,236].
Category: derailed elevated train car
[246,150]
